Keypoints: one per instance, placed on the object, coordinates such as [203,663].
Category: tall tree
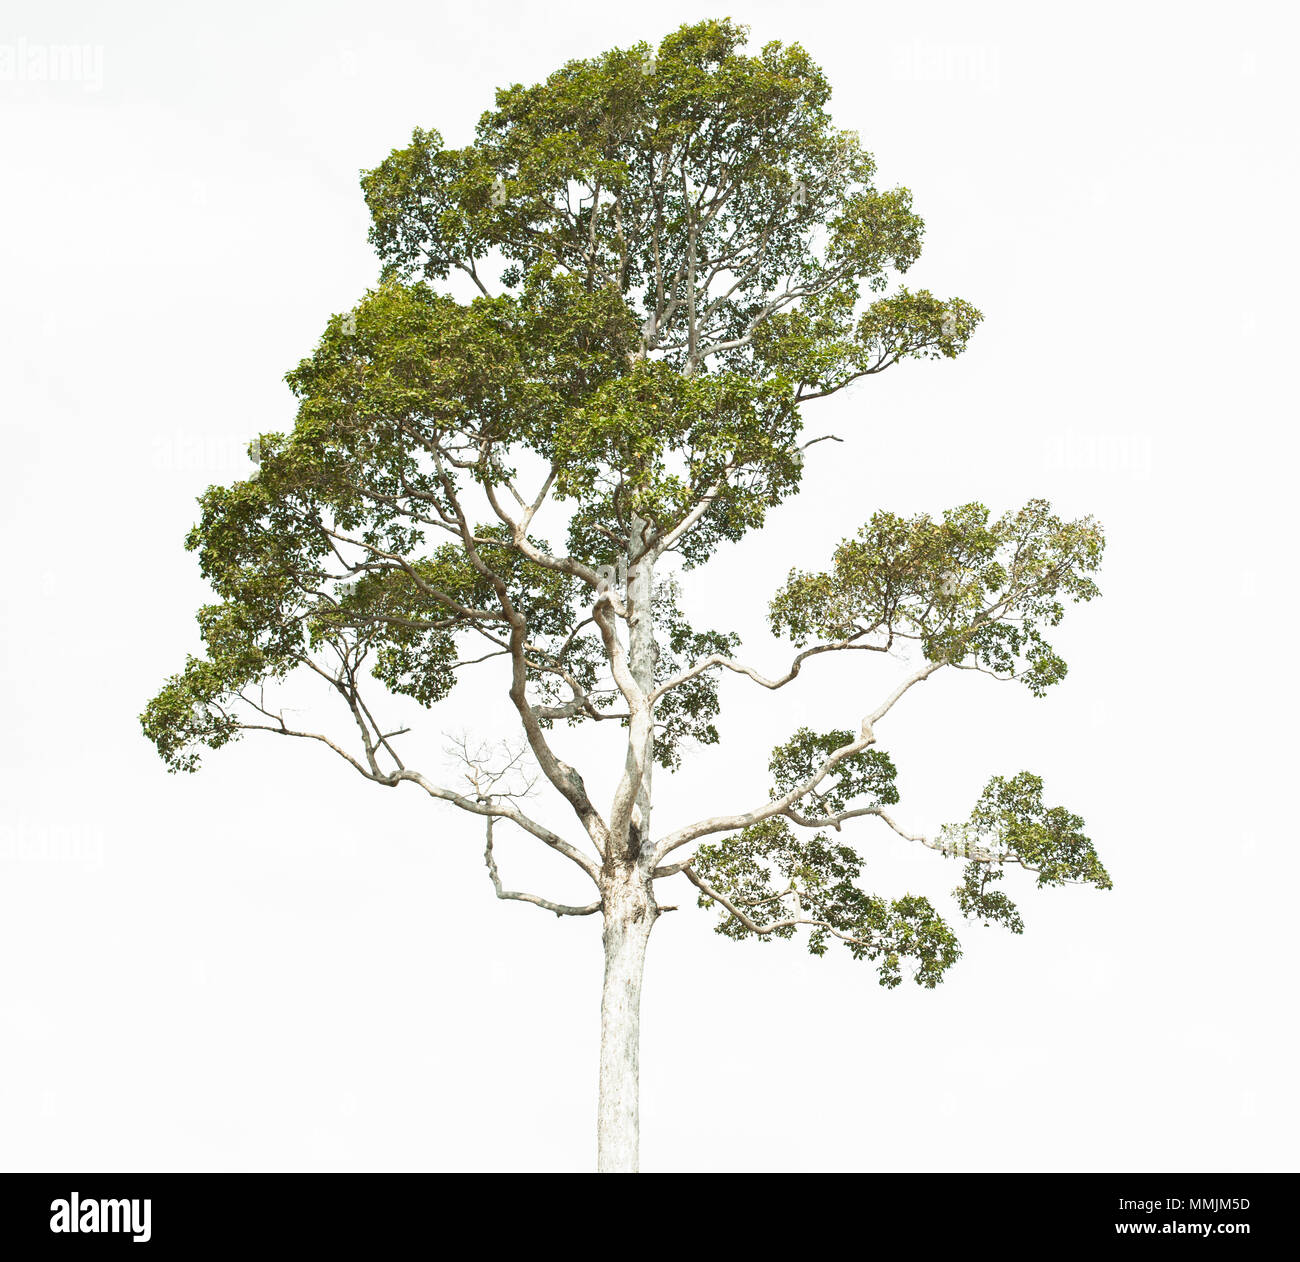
[663,255]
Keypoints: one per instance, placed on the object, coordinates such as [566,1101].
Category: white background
[276,965]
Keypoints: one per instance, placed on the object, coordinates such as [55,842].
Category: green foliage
[686,714]
[633,169]
[243,647]
[781,882]
[654,443]
[972,593]
[1011,820]
[672,250]
[778,880]
[183,716]
[821,346]
[680,240]
[1010,824]
[869,773]
[978,902]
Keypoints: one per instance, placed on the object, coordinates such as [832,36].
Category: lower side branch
[560,909]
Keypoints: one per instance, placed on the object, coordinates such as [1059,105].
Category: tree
[664,254]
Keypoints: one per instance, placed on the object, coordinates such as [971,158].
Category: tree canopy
[666,254]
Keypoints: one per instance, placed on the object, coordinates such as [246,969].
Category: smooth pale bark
[641,652]
[630,914]
[629,910]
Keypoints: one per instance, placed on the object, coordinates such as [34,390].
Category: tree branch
[560,909]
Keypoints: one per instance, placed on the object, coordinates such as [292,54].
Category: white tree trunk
[641,654]
[629,911]
[629,916]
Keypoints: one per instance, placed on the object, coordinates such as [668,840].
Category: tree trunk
[641,654]
[630,914]
[629,908]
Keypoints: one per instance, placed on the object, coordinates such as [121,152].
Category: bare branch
[779,806]
[719,659]
[560,909]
